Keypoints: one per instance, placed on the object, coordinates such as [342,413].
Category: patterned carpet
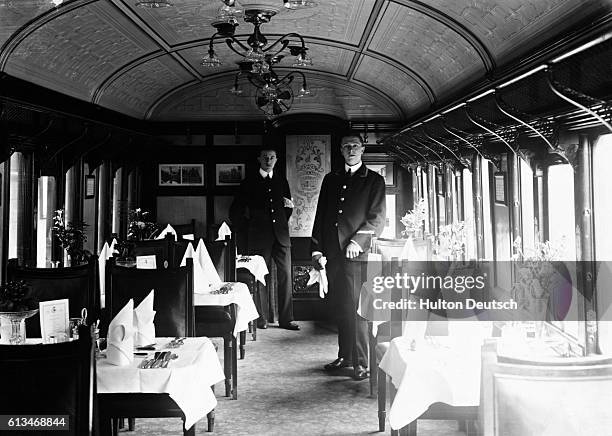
[283,390]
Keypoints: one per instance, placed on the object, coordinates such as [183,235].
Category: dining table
[181,386]
[428,370]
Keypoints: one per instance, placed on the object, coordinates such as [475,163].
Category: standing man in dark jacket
[350,211]
[262,209]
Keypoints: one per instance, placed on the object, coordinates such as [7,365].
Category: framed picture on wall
[90,186]
[500,188]
[181,174]
[380,163]
[229,174]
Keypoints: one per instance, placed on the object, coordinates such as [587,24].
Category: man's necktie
[348,173]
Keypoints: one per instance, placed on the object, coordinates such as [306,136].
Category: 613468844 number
[34,422]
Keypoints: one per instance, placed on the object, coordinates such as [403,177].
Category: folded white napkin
[188,237]
[144,329]
[120,337]
[201,284]
[224,231]
[167,230]
[206,262]
[320,277]
[111,249]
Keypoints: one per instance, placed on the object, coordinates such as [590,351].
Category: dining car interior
[442,169]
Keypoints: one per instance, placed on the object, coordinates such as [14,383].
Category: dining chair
[174,317]
[219,321]
[51,379]
[162,249]
[173,300]
[78,284]
[185,229]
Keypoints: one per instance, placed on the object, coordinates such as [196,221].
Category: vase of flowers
[414,220]
[16,305]
[139,226]
[71,237]
[451,240]
[540,275]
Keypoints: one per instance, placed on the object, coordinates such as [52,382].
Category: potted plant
[16,305]
[71,237]
[139,226]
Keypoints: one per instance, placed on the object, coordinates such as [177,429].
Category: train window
[561,222]
[16,194]
[425,197]
[487,211]
[468,215]
[602,213]
[527,206]
[46,209]
[389,230]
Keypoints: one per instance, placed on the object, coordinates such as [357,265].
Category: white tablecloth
[441,369]
[231,293]
[256,266]
[187,380]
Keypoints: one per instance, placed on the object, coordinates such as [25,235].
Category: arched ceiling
[376,60]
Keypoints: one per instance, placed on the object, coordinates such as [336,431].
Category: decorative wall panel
[308,160]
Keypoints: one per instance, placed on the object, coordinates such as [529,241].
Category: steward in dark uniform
[261,210]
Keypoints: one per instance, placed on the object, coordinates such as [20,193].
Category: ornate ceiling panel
[341,20]
[16,13]
[185,21]
[76,51]
[212,100]
[513,27]
[438,54]
[394,83]
[134,91]
[397,57]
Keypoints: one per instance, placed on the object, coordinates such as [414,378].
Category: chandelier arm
[290,76]
[233,39]
[282,38]
[212,39]
[280,50]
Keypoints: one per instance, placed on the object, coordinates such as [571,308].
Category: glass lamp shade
[211,61]
[150,4]
[304,91]
[299,4]
[302,60]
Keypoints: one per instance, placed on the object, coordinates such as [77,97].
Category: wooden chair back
[51,379]
[223,255]
[173,300]
[79,284]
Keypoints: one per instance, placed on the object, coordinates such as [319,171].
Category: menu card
[146,262]
[54,320]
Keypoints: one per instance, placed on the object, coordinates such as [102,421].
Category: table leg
[254,334]
[242,341]
[382,399]
[211,420]
[392,392]
[190,432]
[234,369]
[227,363]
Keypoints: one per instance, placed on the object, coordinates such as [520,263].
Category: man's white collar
[265,174]
[354,168]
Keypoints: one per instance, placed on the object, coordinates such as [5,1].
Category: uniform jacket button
[340,211]
[273,221]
